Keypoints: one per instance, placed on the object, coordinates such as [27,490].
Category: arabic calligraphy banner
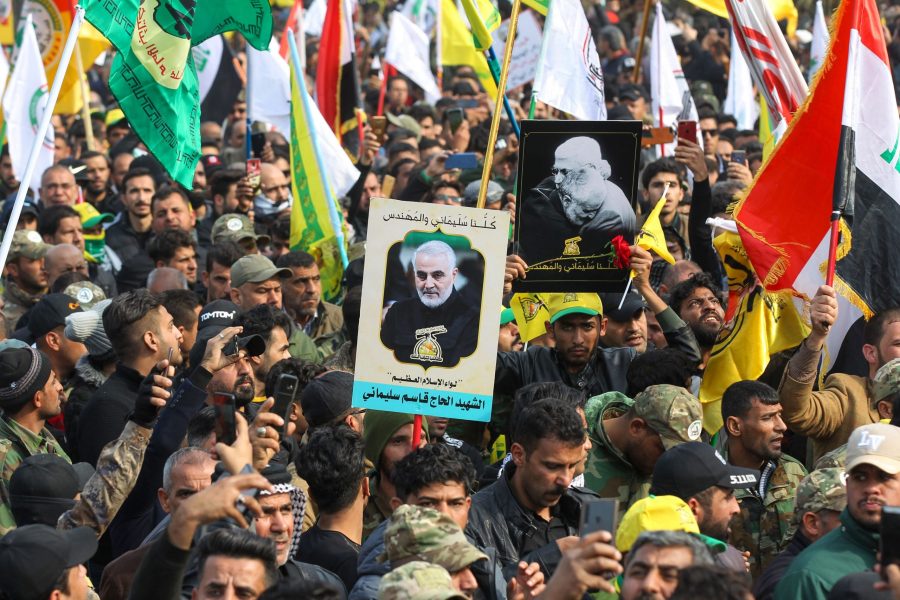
[436,273]
[577,188]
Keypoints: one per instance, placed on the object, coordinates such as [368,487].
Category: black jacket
[764,588]
[127,242]
[105,415]
[497,520]
[605,371]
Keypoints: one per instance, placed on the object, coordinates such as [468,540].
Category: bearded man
[576,210]
[437,327]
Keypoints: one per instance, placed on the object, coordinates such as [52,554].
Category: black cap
[50,313]
[44,486]
[327,397]
[28,208]
[688,469]
[33,557]
[218,313]
[633,305]
[633,92]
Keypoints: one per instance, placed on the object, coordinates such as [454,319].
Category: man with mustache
[129,235]
[576,200]
[751,412]
[438,327]
[873,463]
[698,301]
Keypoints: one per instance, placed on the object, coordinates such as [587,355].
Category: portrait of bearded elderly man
[437,327]
[576,210]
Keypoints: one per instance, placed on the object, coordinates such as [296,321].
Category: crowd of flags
[831,146]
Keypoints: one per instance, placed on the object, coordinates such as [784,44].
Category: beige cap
[878,445]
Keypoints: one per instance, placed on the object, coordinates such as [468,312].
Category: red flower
[623,252]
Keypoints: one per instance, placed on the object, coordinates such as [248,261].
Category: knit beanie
[87,327]
[378,428]
[23,371]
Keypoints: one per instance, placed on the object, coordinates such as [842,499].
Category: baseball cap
[821,489]
[632,305]
[234,228]
[688,469]
[86,293]
[255,268]
[327,397]
[633,92]
[405,122]
[44,486]
[887,380]
[28,208]
[672,412]
[211,164]
[419,533]
[29,244]
[506,315]
[470,194]
[33,557]
[654,513]
[90,216]
[51,312]
[878,445]
[113,116]
[418,580]
[561,305]
[216,316]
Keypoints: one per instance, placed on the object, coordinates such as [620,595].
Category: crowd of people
[131,305]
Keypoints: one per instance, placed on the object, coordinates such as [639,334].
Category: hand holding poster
[577,185]
[434,351]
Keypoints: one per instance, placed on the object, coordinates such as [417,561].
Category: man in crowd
[216,279]
[26,279]
[326,402]
[751,412]
[47,324]
[827,416]
[698,301]
[274,326]
[175,248]
[626,326]
[653,563]
[58,187]
[303,296]
[129,235]
[28,570]
[628,437]
[223,188]
[873,462]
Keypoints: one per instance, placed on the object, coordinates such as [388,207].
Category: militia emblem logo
[571,248]
[570,298]
[427,347]
[531,306]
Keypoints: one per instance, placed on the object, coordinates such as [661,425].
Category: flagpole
[494,68]
[501,95]
[333,215]
[438,46]
[645,20]
[41,133]
[85,92]
[385,73]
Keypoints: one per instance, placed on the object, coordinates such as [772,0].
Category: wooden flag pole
[41,133]
[498,105]
[645,20]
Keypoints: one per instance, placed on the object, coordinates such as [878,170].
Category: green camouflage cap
[821,489]
[672,412]
[255,268]
[418,580]
[417,533]
[234,228]
[29,244]
[887,380]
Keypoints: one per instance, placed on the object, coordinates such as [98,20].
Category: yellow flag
[483,19]
[91,43]
[458,48]
[782,9]
[531,313]
[542,6]
[762,325]
[651,237]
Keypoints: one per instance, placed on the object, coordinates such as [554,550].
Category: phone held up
[226,423]
[285,393]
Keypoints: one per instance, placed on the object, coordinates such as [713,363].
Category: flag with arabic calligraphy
[153,76]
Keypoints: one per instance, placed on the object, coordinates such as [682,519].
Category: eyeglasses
[564,172]
[710,132]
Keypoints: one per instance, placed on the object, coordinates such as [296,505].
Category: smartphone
[739,156]
[599,515]
[285,392]
[455,118]
[687,130]
[890,536]
[258,142]
[226,424]
[379,126]
[462,160]
[254,171]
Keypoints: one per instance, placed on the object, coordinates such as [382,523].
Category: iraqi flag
[220,83]
[841,149]
[337,83]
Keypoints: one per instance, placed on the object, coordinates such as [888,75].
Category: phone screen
[687,130]
[890,536]
[285,392]
[455,118]
[254,171]
[739,156]
[599,515]
[379,126]
[258,143]
[226,425]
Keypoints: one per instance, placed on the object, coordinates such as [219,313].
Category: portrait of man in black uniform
[437,327]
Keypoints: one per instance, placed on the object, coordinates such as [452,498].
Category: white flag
[314,18]
[407,51]
[24,104]
[740,101]
[424,13]
[207,57]
[668,88]
[269,88]
[820,37]
[569,76]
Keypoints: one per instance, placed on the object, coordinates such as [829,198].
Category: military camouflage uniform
[105,492]
[836,459]
[378,508]
[418,580]
[669,410]
[766,523]
[17,443]
[821,489]
[424,533]
[16,300]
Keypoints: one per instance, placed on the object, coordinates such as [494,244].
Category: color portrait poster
[577,189]
[432,292]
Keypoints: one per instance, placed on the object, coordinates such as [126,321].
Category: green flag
[153,75]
